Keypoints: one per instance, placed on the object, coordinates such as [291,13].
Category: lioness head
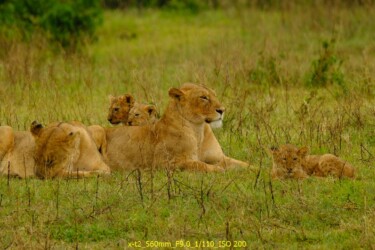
[119,108]
[55,149]
[198,104]
[142,114]
[288,158]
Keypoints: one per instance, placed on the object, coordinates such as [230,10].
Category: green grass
[259,63]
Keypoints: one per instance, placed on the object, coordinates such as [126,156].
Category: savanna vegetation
[286,73]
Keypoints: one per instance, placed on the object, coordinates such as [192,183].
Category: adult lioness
[66,150]
[176,140]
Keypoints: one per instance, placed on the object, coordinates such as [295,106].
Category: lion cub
[119,108]
[287,163]
[290,161]
[142,114]
[325,165]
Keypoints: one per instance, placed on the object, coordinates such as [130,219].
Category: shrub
[66,22]
[327,68]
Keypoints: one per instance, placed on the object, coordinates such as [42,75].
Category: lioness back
[66,150]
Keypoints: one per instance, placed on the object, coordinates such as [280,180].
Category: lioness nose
[109,119]
[220,110]
[129,123]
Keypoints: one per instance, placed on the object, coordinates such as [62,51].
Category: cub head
[142,114]
[288,158]
[56,149]
[119,108]
[198,104]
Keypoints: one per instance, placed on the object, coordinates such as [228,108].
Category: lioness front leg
[199,166]
[82,173]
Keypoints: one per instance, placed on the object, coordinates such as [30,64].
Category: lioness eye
[136,115]
[284,159]
[204,97]
[295,158]
[116,109]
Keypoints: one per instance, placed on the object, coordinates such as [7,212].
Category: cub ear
[151,110]
[274,150]
[129,99]
[304,151]
[111,98]
[175,93]
[36,128]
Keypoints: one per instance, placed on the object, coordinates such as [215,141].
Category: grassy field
[301,76]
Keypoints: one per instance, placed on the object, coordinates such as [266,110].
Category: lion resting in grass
[287,163]
[326,165]
[292,162]
[59,150]
[66,150]
[178,140]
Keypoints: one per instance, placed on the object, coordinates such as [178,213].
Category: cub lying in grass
[292,162]
[287,163]
[325,165]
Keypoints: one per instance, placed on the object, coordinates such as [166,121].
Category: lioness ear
[175,93]
[35,128]
[151,110]
[304,151]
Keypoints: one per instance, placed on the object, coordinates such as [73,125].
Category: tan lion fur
[6,140]
[119,108]
[142,114]
[287,163]
[17,150]
[326,165]
[293,162]
[177,139]
[66,150]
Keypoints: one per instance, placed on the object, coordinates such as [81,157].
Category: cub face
[142,114]
[56,149]
[119,108]
[287,161]
[198,104]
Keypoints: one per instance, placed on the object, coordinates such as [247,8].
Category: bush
[66,22]
[327,68]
